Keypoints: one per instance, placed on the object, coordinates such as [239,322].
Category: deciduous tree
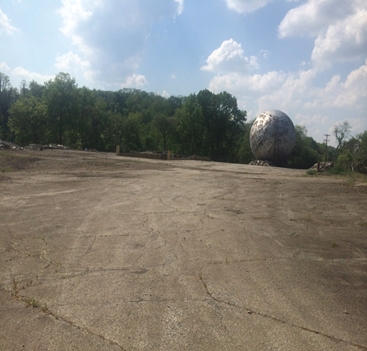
[341,132]
[28,121]
[62,103]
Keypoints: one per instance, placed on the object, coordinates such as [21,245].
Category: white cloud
[246,6]
[264,54]
[75,12]
[248,84]
[111,35]
[17,74]
[22,73]
[299,95]
[134,81]
[272,90]
[352,93]
[4,67]
[5,26]
[180,7]
[229,57]
[343,41]
[70,62]
[314,16]
[339,26]
[74,65]
[165,94]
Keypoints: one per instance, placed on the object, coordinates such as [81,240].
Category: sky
[306,58]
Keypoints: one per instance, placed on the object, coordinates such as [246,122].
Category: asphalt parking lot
[101,252]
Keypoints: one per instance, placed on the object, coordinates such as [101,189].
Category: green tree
[164,126]
[23,90]
[306,152]
[97,119]
[131,134]
[245,154]
[341,132]
[362,153]
[62,104]
[223,121]
[114,130]
[352,155]
[173,104]
[35,89]
[190,128]
[86,111]
[8,95]
[28,121]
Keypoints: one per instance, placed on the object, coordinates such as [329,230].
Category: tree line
[60,112]
[202,124]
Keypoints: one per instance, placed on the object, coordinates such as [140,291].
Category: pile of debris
[262,163]
[56,146]
[34,147]
[47,146]
[9,145]
[12,146]
[322,166]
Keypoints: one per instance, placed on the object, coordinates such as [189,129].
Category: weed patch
[311,172]
[31,302]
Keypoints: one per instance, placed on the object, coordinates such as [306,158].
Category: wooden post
[117,149]
[168,155]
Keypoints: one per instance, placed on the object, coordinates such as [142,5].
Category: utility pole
[326,140]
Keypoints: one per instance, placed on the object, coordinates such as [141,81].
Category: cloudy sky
[307,58]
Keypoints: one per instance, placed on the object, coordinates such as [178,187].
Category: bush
[311,172]
[338,169]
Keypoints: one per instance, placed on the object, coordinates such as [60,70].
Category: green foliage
[61,100]
[311,172]
[205,124]
[28,121]
[8,96]
[190,128]
[164,126]
[245,154]
[339,170]
[341,132]
[222,122]
[352,154]
[306,151]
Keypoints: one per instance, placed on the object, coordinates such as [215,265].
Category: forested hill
[203,124]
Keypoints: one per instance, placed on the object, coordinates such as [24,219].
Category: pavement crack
[127,270]
[91,245]
[31,302]
[250,260]
[215,298]
[136,301]
[170,207]
[276,319]
[43,253]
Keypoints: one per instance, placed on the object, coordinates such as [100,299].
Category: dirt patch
[11,160]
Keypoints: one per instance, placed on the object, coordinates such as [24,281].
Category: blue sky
[307,58]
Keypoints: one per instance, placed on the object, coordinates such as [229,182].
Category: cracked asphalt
[101,252]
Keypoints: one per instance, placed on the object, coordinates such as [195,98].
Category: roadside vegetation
[202,124]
